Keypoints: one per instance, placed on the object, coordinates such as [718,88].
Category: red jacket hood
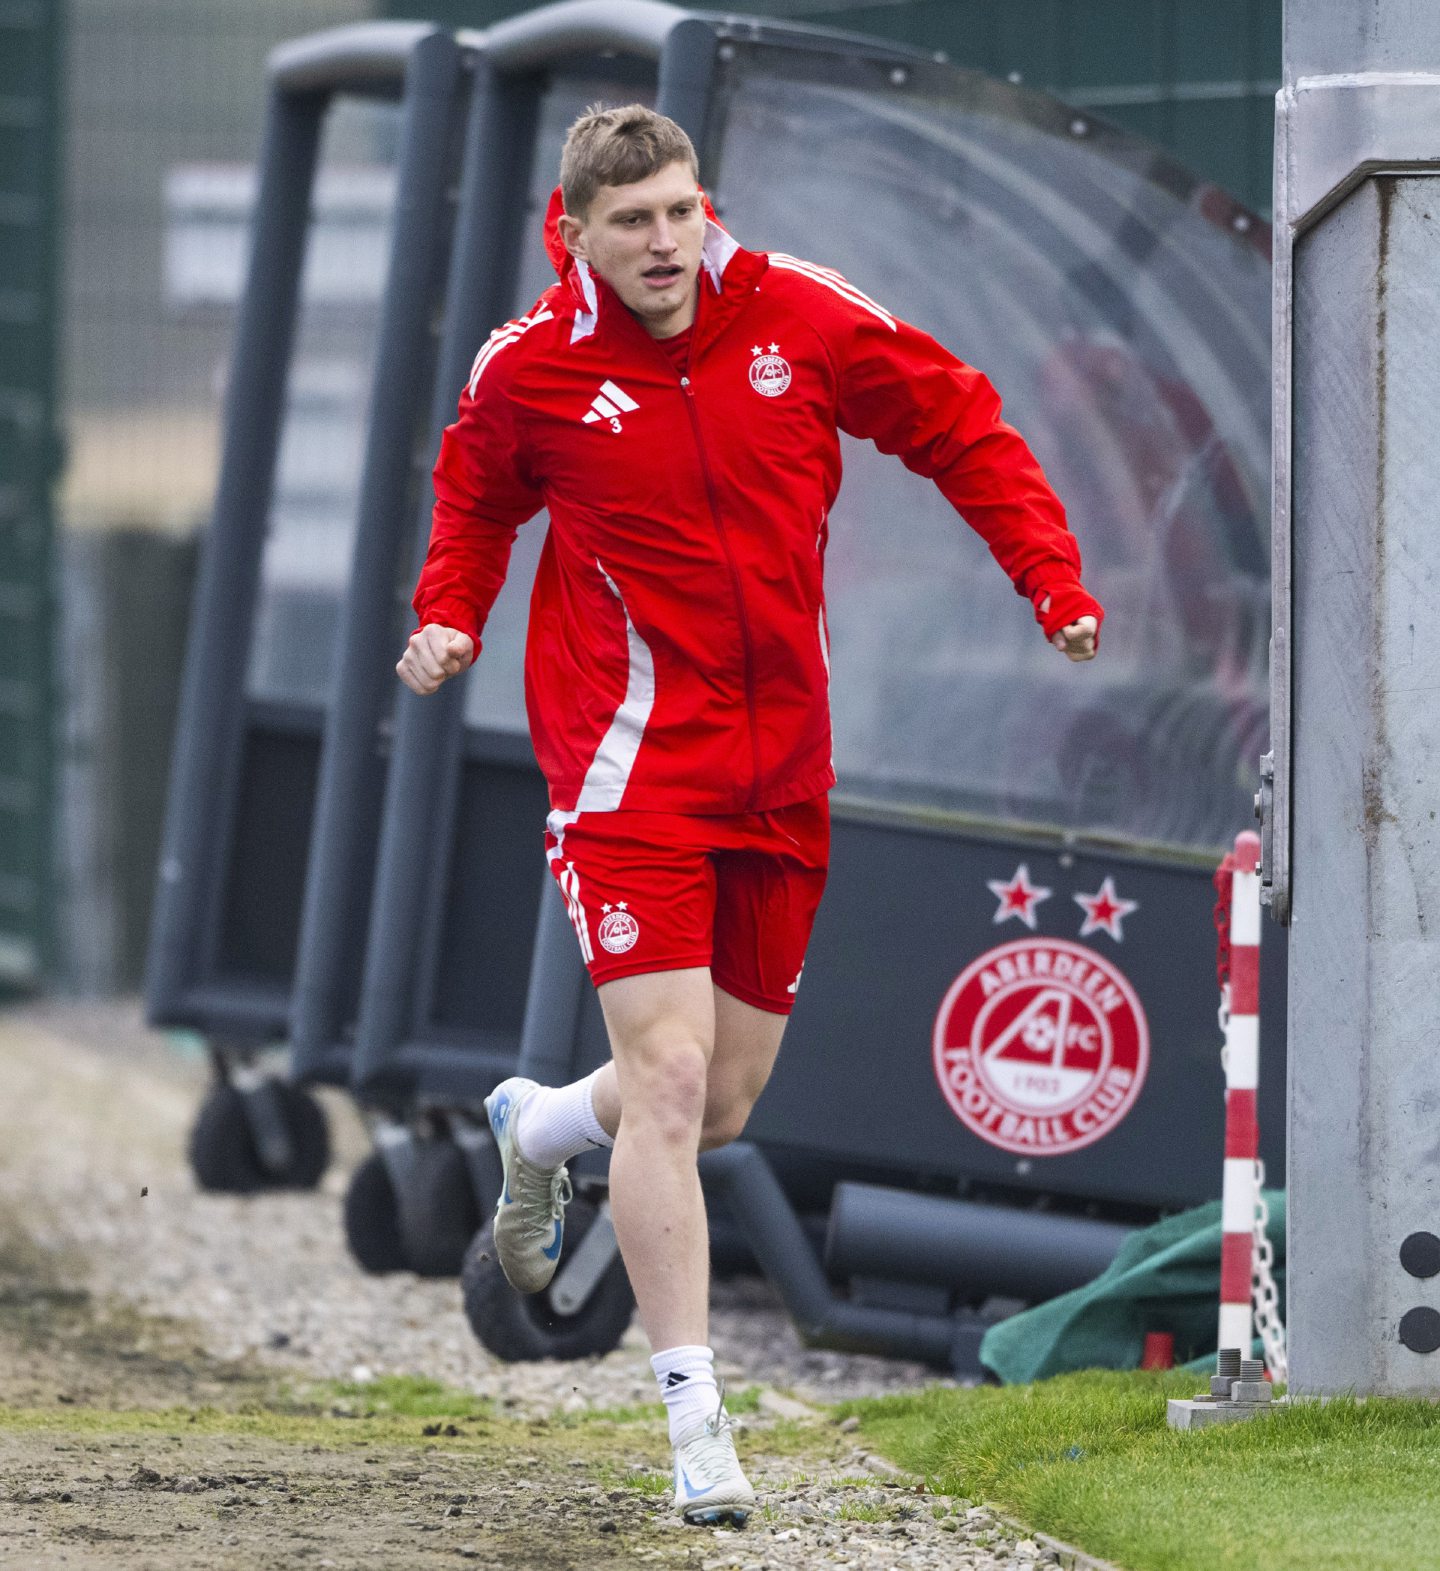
[561,259]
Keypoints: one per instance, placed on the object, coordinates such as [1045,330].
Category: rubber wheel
[222,1150]
[372,1219]
[521,1327]
[439,1211]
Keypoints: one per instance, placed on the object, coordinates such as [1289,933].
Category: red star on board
[1105,910]
[1018,898]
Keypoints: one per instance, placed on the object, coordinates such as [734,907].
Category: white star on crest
[604,910]
[755,349]
[622,906]
[774,349]
[1017,898]
[1105,910]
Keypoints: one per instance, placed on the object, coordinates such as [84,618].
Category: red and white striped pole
[1242,1078]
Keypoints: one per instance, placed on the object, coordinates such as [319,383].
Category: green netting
[1165,1278]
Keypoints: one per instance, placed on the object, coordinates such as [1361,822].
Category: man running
[676,403]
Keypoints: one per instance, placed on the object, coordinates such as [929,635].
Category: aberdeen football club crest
[618,929]
[1041,1046]
[769,371]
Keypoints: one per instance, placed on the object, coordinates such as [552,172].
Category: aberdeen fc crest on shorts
[769,372]
[618,929]
[1041,1046]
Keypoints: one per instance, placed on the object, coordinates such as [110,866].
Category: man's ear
[572,234]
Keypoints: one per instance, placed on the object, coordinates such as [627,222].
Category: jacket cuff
[1068,603]
[462,620]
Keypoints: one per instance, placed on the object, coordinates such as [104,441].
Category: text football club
[1041,1046]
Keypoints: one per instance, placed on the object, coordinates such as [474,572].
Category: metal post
[424,770]
[346,817]
[1354,841]
[210,735]
[202,767]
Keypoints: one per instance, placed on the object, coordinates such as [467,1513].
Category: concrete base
[1197,1414]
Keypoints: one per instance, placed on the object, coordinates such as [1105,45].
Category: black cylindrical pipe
[741,1176]
[976,1250]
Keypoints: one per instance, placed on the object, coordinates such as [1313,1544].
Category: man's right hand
[434,654]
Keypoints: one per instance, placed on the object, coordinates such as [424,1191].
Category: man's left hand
[1077,641]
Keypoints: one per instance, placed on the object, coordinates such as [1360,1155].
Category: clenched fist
[1076,640]
[434,654]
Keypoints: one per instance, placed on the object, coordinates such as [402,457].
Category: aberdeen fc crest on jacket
[769,373]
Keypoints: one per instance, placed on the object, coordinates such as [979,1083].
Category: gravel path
[92,1134]
[103,1108]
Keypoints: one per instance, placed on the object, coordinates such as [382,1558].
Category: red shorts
[666,891]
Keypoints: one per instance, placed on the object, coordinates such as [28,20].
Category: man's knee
[726,1115]
[665,1090]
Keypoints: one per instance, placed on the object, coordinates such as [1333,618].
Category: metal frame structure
[443,781]
[186,982]
[771,1189]
[1350,850]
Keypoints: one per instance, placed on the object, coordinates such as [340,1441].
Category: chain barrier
[1266,1299]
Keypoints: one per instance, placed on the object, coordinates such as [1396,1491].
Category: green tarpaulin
[1165,1278]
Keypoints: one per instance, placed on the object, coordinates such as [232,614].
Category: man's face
[644,240]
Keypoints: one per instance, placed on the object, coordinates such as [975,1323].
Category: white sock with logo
[687,1383]
[558,1122]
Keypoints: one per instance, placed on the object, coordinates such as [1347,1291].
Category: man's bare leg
[747,1042]
[662,1035]
[744,1042]
[690,1061]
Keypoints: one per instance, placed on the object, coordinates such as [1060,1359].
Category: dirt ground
[125,1443]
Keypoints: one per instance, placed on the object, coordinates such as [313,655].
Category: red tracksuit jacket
[677,656]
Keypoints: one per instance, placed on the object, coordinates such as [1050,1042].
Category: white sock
[687,1383]
[559,1122]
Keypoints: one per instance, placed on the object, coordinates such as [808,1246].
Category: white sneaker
[709,1485]
[530,1214]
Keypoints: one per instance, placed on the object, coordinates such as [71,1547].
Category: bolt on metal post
[1227,1372]
[1252,1386]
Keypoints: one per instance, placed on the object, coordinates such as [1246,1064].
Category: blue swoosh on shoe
[553,1252]
[691,1493]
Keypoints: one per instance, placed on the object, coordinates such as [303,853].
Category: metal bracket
[265,1114]
[580,1275]
[1265,812]
[482,1161]
[395,1143]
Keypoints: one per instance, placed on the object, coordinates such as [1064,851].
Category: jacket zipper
[745,639]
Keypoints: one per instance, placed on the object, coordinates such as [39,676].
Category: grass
[1344,1486]
[400,1410]
[647,1482]
[399,1396]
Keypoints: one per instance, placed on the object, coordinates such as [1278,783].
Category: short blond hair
[618,147]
